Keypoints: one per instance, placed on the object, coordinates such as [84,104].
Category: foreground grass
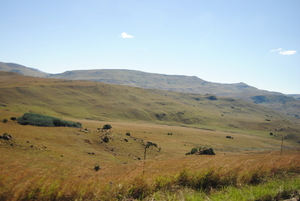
[271,190]
[274,189]
[253,177]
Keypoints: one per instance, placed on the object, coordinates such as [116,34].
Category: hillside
[187,84]
[100,101]
[287,104]
[23,70]
[181,83]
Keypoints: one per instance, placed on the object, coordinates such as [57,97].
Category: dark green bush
[107,126]
[13,118]
[5,120]
[193,151]
[97,167]
[105,139]
[46,121]
[212,98]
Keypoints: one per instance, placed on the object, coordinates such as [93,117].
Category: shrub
[105,139]
[193,151]
[107,126]
[5,120]
[212,98]
[13,118]
[209,151]
[46,121]
[97,167]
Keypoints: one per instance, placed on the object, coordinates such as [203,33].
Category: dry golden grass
[58,167]
[209,173]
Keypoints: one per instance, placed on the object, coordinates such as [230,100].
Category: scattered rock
[87,141]
[6,136]
[293,199]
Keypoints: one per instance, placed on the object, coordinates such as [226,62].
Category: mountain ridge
[287,104]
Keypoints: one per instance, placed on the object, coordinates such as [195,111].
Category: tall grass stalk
[205,176]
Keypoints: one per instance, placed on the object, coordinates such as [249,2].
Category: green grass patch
[271,190]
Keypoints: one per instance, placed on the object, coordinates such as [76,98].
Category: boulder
[5,136]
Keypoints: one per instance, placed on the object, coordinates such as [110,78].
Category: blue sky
[224,41]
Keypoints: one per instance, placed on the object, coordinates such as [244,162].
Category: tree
[107,126]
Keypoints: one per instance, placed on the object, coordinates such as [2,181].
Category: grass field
[58,163]
[55,163]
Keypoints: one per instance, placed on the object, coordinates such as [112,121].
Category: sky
[225,41]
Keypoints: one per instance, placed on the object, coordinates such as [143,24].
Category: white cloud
[125,35]
[284,52]
[288,52]
[276,50]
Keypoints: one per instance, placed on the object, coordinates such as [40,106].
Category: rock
[6,136]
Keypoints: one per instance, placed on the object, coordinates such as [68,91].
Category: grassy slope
[93,100]
[186,84]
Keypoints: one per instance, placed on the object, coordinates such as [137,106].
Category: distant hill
[23,70]
[297,96]
[188,84]
[287,104]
